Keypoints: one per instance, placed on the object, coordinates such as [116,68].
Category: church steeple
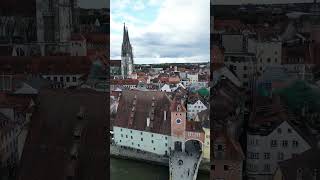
[126,54]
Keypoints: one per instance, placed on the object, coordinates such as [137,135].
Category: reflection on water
[121,169]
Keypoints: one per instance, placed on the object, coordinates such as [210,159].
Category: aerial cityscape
[159,112]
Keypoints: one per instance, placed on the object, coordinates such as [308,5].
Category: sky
[162,31]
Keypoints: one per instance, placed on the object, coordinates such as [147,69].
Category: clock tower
[178,125]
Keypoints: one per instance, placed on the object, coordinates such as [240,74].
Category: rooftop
[51,136]
[135,107]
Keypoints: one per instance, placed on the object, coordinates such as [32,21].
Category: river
[121,169]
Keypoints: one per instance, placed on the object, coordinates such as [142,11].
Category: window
[132,143]
[269,60]
[245,76]
[166,144]
[266,155]
[294,144]
[279,130]
[166,138]
[68,79]
[121,130]
[289,130]
[61,79]
[266,168]
[219,147]
[284,143]
[151,135]
[255,155]
[74,79]
[226,167]
[48,78]
[131,137]
[276,60]
[154,149]
[121,135]
[213,167]
[141,139]
[141,133]
[280,156]
[151,141]
[138,145]
[126,136]
[244,67]
[130,131]
[55,78]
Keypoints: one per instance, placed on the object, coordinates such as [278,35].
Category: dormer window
[178,108]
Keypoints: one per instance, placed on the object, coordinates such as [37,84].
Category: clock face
[178,121]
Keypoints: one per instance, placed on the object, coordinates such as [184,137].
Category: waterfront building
[150,121]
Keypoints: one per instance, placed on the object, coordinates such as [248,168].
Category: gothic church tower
[127,66]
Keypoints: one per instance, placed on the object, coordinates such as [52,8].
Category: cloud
[180,29]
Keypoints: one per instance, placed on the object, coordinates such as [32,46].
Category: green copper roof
[299,94]
[203,92]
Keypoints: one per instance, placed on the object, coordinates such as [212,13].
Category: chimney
[164,115]
[148,122]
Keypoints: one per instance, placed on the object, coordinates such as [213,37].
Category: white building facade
[142,140]
[264,152]
[194,109]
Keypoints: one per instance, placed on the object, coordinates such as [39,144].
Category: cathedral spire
[127,66]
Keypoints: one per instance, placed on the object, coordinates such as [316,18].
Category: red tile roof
[45,64]
[50,137]
[97,38]
[135,116]
[124,81]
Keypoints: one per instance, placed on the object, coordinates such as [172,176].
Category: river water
[121,169]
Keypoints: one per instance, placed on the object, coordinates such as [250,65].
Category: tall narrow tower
[178,125]
[127,66]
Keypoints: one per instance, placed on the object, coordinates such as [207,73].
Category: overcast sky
[162,31]
[95,4]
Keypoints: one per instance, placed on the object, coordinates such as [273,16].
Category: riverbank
[141,156]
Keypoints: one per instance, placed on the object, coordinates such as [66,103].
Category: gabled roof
[306,162]
[136,106]
[50,137]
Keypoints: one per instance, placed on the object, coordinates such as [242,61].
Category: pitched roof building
[67,137]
